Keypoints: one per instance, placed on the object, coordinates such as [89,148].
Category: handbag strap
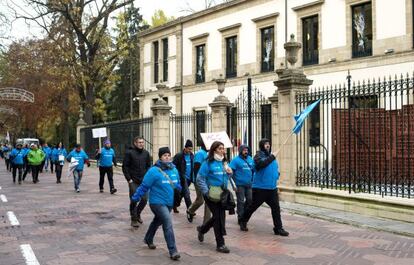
[168,177]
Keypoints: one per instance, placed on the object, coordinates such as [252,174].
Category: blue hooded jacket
[106,157]
[266,169]
[48,152]
[81,156]
[159,187]
[17,156]
[58,151]
[242,168]
[211,173]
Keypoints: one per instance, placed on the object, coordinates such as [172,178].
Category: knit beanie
[163,150]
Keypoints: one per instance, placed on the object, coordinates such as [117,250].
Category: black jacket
[135,164]
[179,162]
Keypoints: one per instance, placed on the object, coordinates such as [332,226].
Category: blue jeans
[244,199]
[162,217]
[77,176]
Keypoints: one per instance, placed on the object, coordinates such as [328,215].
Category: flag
[301,117]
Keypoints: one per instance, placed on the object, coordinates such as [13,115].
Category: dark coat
[135,164]
[180,164]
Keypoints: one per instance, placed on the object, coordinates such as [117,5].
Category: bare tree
[189,8]
[89,49]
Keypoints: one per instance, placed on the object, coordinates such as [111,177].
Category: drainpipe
[181,81]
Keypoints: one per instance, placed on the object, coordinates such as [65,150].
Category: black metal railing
[121,134]
[188,126]
[365,141]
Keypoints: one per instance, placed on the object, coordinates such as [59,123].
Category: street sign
[99,132]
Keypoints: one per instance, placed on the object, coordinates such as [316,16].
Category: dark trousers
[27,169]
[35,172]
[217,221]
[8,166]
[271,198]
[110,173]
[134,209]
[51,165]
[15,169]
[58,170]
[185,191]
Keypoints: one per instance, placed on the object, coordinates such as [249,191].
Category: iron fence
[249,120]
[188,126]
[359,138]
[121,134]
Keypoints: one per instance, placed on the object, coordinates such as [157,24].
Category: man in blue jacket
[81,157]
[243,167]
[265,188]
[16,158]
[107,159]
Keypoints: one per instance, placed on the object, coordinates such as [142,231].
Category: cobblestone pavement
[64,227]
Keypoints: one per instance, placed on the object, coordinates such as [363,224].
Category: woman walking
[161,181]
[212,179]
[58,158]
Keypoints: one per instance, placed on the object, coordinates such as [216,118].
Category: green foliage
[160,18]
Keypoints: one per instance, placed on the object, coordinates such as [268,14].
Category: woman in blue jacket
[58,157]
[213,175]
[16,158]
[161,180]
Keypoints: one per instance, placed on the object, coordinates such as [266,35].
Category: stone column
[290,82]
[274,100]
[219,108]
[79,125]
[160,124]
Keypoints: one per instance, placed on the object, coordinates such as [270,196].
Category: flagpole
[280,148]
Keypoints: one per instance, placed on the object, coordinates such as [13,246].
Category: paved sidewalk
[63,227]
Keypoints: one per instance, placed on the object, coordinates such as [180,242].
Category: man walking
[184,162]
[107,159]
[199,158]
[242,166]
[48,153]
[16,158]
[81,157]
[136,162]
[265,188]
[35,157]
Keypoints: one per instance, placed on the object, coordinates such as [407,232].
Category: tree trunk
[90,101]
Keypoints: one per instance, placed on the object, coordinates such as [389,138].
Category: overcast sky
[171,7]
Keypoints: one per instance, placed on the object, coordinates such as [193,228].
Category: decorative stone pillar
[274,100]
[219,108]
[291,82]
[160,123]
[79,125]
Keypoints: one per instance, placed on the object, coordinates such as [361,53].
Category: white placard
[210,138]
[99,132]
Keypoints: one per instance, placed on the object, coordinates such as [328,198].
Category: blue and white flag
[301,117]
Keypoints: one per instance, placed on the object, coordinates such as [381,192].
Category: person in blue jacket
[58,158]
[243,167]
[199,158]
[265,188]
[82,158]
[106,159]
[214,173]
[17,161]
[26,166]
[6,155]
[161,180]
[48,152]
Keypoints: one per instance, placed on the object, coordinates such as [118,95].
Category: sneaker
[113,191]
[150,245]
[139,219]
[175,256]
[280,232]
[77,190]
[20,182]
[243,226]
[101,190]
[223,249]
[190,216]
[135,224]
[200,235]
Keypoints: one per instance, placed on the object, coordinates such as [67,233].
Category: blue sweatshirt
[159,187]
[267,171]
[211,174]
[242,170]
[106,157]
[200,156]
[17,156]
[48,152]
[81,156]
[56,152]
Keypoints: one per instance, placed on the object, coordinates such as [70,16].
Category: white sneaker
[78,190]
